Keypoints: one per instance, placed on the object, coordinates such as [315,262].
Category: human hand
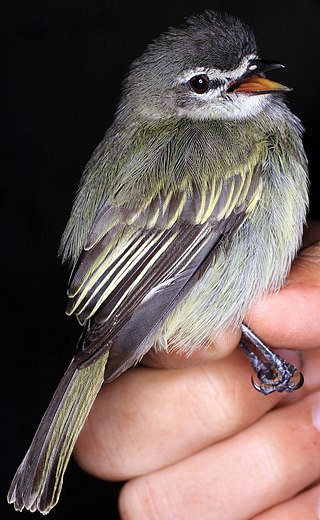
[200,442]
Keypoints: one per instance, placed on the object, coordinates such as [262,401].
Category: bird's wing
[136,266]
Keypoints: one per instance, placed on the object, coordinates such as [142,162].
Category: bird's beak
[253,81]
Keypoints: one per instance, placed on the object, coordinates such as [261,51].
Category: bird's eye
[199,84]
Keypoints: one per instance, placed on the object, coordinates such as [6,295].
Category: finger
[290,319]
[310,366]
[238,478]
[126,436]
[305,505]
[151,417]
[222,345]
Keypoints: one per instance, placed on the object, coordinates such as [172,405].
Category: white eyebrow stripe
[216,73]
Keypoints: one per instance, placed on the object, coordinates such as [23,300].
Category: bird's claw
[276,374]
[286,384]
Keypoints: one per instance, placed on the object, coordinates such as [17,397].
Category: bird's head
[207,69]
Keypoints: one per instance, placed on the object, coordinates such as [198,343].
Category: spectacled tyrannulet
[190,208]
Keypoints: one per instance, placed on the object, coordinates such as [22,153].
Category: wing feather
[137,267]
[153,309]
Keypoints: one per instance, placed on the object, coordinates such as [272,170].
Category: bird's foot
[275,374]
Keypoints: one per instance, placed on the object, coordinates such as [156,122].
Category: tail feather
[38,481]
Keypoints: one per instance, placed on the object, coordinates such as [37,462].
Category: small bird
[190,208]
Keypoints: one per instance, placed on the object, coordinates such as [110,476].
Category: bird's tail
[38,481]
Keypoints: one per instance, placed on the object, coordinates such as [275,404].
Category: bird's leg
[275,373]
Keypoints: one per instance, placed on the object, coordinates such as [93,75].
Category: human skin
[197,441]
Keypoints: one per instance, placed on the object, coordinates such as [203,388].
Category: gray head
[202,70]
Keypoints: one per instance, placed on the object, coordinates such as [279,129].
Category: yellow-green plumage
[253,182]
[57,434]
[191,207]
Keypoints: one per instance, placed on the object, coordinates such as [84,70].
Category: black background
[64,63]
